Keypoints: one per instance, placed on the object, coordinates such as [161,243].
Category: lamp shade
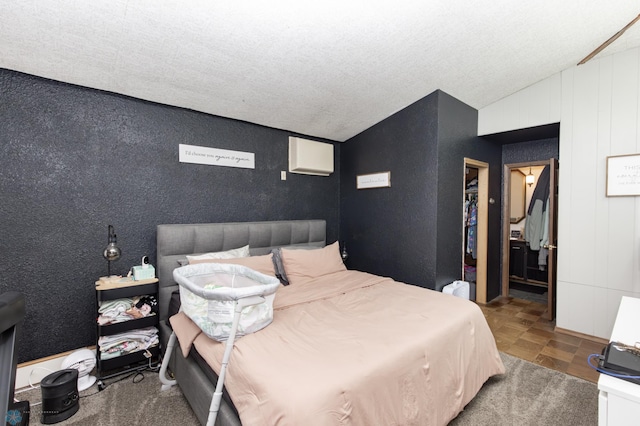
[112,251]
[530,178]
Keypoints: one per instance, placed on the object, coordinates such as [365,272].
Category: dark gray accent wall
[413,231]
[392,231]
[74,160]
[457,130]
[533,150]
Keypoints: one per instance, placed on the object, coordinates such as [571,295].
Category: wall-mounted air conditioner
[310,157]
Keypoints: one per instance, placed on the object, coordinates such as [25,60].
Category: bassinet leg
[239,305]
[166,383]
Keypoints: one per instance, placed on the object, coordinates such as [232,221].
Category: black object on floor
[60,399]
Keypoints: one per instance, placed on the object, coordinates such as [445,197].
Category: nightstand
[114,289]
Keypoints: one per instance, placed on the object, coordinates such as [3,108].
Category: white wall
[598,236]
[535,105]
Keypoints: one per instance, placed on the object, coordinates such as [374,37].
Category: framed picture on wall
[623,175]
[374,180]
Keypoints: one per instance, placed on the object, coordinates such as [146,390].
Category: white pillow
[229,254]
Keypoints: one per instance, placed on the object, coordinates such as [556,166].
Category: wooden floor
[520,330]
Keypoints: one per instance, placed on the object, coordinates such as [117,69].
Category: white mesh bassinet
[226,301]
[208,292]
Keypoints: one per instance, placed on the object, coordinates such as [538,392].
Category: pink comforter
[352,348]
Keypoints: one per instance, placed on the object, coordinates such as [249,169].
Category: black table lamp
[112,252]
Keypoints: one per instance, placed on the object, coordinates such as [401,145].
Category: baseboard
[31,373]
[581,335]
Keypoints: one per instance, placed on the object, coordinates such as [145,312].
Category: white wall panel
[581,179]
[636,233]
[602,151]
[607,316]
[535,105]
[635,276]
[619,256]
[574,297]
[624,105]
[616,96]
[565,231]
[601,308]
[563,298]
[622,210]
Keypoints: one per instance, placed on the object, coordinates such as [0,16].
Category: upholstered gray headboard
[175,241]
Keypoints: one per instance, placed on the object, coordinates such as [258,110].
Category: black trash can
[60,399]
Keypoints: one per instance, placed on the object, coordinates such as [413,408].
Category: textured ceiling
[327,68]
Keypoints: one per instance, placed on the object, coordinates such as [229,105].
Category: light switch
[283,175]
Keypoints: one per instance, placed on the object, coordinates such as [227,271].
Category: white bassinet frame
[242,298]
[239,305]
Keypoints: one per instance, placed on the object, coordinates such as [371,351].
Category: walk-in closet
[470,218]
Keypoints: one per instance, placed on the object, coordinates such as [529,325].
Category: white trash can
[458,289]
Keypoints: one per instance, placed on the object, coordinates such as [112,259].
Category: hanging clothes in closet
[471,210]
[536,231]
[471,217]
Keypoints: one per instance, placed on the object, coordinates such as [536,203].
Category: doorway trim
[483,227]
[506,213]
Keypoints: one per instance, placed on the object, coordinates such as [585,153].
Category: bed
[344,347]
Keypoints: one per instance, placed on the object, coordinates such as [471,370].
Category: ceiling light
[530,179]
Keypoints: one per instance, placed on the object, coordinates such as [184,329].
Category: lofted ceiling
[328,69]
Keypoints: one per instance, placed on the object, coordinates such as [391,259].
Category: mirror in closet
[518,196]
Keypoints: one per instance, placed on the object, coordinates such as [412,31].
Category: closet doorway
[479,194]
[524,263]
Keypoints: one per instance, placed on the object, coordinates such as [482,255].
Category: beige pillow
[229,254]
[262,264]
[302,265]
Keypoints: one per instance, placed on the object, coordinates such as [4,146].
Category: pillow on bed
[281,274]
[305,264]
[262,264]
[228,254]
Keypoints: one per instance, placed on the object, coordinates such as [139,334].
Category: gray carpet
[130,401]
[527,394]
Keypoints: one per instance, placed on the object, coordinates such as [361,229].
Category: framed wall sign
[373,180]
[623,175]
[215,157]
